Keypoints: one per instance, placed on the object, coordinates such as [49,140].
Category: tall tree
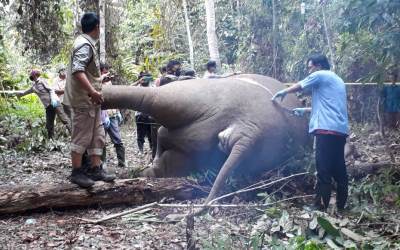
[211,32]
[102,10]
[328,38]
[189,35]
[274,50]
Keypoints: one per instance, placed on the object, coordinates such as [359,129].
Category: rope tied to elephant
[251,81]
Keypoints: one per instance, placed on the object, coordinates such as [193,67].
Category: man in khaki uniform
[83,95]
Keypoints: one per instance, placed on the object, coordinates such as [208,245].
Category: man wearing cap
[49,100]
[83,95]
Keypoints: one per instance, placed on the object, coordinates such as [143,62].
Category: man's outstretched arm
[292,89]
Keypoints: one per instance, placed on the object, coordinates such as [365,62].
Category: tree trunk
[211,32]
[77,13]
[189,35]
[274,52]
[102,8]
[328,39]
[132,191]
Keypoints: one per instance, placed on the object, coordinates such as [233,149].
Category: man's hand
[96,97]
[54,103]
[119,118]
[281,94]
[107,77]
[300,111]
[59,92]
[106,122]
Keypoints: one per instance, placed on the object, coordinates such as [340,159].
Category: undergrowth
[23,126]
[380,189]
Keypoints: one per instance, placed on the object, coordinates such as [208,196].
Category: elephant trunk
[166,105]
[128,97]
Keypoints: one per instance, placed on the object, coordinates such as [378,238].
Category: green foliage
[23,134]
[384,187]
[26,107]
[327,226]
[41,27]
[7,79]
[22,126]
[142,46]
[301,243]
[376,25]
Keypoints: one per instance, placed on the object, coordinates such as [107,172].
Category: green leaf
[328,227]
[352,235]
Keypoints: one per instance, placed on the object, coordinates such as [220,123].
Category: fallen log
[126,191]
[130,191]
[361,170]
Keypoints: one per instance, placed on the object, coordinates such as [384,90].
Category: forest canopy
[360,37]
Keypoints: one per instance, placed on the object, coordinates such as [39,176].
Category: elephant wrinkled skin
[227,124]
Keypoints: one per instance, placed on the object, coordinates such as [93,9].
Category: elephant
[229,124]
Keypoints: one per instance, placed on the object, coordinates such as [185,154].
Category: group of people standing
[76,99]
[81,113]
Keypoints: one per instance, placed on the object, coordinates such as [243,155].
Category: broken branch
[256,187]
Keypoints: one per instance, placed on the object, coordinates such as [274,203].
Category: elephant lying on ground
[227,124]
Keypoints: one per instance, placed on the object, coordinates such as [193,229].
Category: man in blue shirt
[329,124]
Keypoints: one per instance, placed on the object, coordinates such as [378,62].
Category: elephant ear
[224,138]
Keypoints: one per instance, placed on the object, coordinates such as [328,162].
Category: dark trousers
[113,131]
[51,114]
[330,165]
[143,128]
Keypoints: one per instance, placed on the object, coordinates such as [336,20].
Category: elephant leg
[171,163]
[162,136]
[237,145]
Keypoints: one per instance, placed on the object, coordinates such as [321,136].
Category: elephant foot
[148,172]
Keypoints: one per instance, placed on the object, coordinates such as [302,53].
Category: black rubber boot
[140,146]
[120,150]
[86,163]
[79,177]
[104,155]
[99,174]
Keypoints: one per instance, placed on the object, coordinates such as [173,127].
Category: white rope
[251,81]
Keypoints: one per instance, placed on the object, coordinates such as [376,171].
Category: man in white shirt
[59,89]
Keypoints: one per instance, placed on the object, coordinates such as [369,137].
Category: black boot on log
[120,150]
[99,174]
[79,177]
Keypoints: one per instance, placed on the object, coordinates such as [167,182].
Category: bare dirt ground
[276,227]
